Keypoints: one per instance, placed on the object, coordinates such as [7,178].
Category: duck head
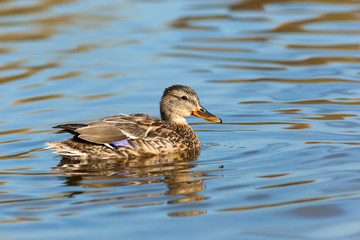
[179,102]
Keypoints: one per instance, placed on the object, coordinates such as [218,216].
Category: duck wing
[122,127]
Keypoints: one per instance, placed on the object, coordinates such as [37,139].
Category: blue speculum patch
[122,143]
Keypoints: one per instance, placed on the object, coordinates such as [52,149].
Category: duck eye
[184,98]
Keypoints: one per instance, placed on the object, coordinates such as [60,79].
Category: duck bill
[203,113]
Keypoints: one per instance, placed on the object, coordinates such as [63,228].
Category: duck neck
[173,119]
[177,122]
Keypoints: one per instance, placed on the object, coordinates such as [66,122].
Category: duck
[129,136]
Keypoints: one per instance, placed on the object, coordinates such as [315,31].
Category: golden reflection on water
[329,117]
[302,62]
[81,48]
[275,175]
[57,96]
[289,80]
[260,4]
[65,75]
[28,71]
[287,184]
[18,220]
[187,213]
[239,59]
[330,47]
[36,99]
[22,155]
[297,26]
[43,27]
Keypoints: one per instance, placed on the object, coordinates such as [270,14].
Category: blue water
[283,76]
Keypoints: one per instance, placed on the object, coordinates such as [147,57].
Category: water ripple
[283,76]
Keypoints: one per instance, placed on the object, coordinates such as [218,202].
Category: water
[283,76]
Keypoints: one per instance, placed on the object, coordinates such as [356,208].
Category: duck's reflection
[183,185]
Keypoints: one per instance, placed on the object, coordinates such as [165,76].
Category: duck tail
[70,127]
[63,149]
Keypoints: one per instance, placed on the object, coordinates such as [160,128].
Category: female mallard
[138,135]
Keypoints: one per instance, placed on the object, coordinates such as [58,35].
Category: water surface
[283,76]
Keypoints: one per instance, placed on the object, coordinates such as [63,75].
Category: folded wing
[122,127]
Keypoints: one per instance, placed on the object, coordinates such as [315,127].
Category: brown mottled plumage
[138,135]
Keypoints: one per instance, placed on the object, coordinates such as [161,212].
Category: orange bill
[203,113]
